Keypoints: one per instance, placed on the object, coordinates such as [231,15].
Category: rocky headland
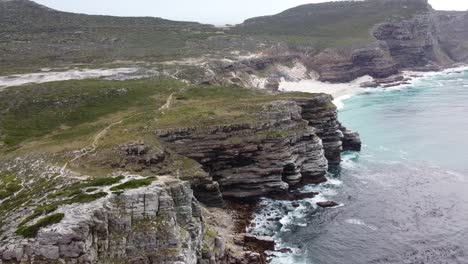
[176,191]
[163,162]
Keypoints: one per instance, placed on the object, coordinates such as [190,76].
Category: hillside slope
[332,24]
[34,35]
[336,41]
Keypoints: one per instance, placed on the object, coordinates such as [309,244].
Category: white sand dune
[75,74]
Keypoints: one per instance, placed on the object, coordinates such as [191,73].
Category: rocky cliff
[293,142]
[143,190]
[396,35]
[161,223]
[260,159]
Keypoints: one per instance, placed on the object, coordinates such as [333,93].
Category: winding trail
[90,149]
[168,103]
[93,147]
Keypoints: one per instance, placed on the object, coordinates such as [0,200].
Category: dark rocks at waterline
[294,196]
[391,85]
[391,79]
[327,204]
[351,140]
[284,250]
[261,243]
[372,84]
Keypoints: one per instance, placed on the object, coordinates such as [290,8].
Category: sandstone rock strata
[252,160]
[161,223]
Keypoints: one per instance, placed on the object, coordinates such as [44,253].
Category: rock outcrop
[161,223]
[336,67]
[293,142]
[257,159]
[412,43]
[351,140]
[427,41]
[321,114]
[134,215]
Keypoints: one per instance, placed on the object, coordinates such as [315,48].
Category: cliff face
[396,35]
[293,142]
[161,223]
[321,114]
[260,159]
[428,40]
[413,43]
[336,67]
[452,32]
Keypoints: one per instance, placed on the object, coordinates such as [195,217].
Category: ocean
[403,199]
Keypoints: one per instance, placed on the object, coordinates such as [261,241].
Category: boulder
[262,243]
[327,204]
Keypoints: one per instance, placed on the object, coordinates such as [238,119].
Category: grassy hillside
[33,35]
[57,114]
[333,24]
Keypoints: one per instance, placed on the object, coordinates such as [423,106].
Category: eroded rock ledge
[161,223]
[292,142]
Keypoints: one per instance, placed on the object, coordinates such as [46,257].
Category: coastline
[344,91]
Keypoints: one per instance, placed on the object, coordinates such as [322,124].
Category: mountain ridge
[328,37]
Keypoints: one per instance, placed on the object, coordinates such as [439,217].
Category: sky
[218,12]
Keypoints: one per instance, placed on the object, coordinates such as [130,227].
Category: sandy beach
[343,91]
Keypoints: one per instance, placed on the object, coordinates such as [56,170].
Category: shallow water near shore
[404,198]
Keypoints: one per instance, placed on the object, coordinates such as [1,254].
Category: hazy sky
[206,11]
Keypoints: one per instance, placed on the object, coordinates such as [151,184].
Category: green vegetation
[77,188]
[38,37]
[58,114]
[85,198]
[69,110]
[29,195]
[102,182]
[203,106]
[78,197]
[9,185]
[73,194]
[31,231]
[187,169]
[36,110]
[133,184]
[330,25]
[42,210]
[90,190]
[209,240]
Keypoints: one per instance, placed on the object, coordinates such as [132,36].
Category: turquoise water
[428,121]
[404,198]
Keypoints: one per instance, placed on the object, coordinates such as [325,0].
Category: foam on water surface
[404,196]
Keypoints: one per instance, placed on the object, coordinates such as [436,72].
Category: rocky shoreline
[295,142]
[171,168]
[292,142]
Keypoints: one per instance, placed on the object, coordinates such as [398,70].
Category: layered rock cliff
[260,159]
[143,194]
[161,223]
[397,35]
[293,142]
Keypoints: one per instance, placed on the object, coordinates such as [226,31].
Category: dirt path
[168,103]
[90,149]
